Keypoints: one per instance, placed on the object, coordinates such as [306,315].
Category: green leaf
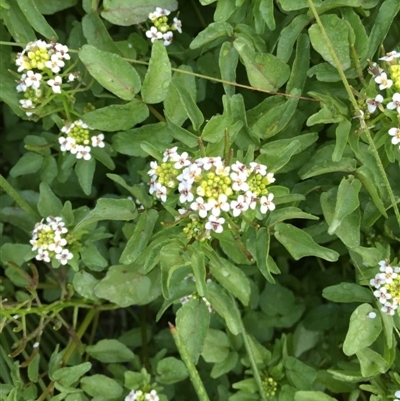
[97,34]
[301,64]
[225,366]
[264,70]
[110,351]
[293,5]
[117,117]
[347,292]
[372,363]
[36,19]
[48,204]
[216,346]
[29,163]
[189,103]
[199,271]
[289,35]
[299,374]
[228,60]
[312,396]
[363,331]
[267,12]
[70,375]
[126,12]
[382,23]
[158,76]
[140,237]
[192,322]
[101,386]
[349,229]
[342,134]
[84,284]
[361,38]
[17,24]
[262,250]
[213,31]
[123,286]
[338,33]
[346,202]
[182,134]
[300,244]
[51,7]
[85,171]
[109,209]
[171,370]
[111,71]
[231,278]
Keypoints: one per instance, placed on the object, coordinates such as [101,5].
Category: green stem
[186,358]
[358,111]
[19,200]
[250,354]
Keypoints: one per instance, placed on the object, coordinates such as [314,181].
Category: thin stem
[250,354]
[193,373]
[19,200]
[358,112]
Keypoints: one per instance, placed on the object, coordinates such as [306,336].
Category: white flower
[258,168]
[201,207]
[97,141]
[251,199]
[64,256]
[58,244]
[186,195]
[154,34]
[27,104]
[153,169]
[222,171]
[43,255]
[215,223]
[371,315]
[266,203]
[383,264]
[161,12]
[177,25]
[189,174]
[153,184]
[168,36]
[395,133]
[55,63]
[171,154]
[376,281]
[71,77]
[383,80]
[270,178]
[382,295]
[182,161]
[62,51]
[395,103]
[152,396]
[240,168]
[83,152]
[389,308]
[161,192]
[59,227]
[397,394]
[66,143]
[374,103]
[153,16]
[55,84]
[238,206]
[218,205]
[388,275]
[239,182]
[390,56]
[33,79]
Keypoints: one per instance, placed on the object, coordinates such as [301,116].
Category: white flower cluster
[397,395]
[78,140]
[387,285]
[381,78]
[42,62]
[161,29]
[207,188]
[141,396]
[49,240]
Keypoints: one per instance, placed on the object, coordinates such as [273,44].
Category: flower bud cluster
[139,395]
[387,287]
[208,188]
[50,240]
[392,85]
[40,64]
[270,386]
[78,141]
[162,29]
